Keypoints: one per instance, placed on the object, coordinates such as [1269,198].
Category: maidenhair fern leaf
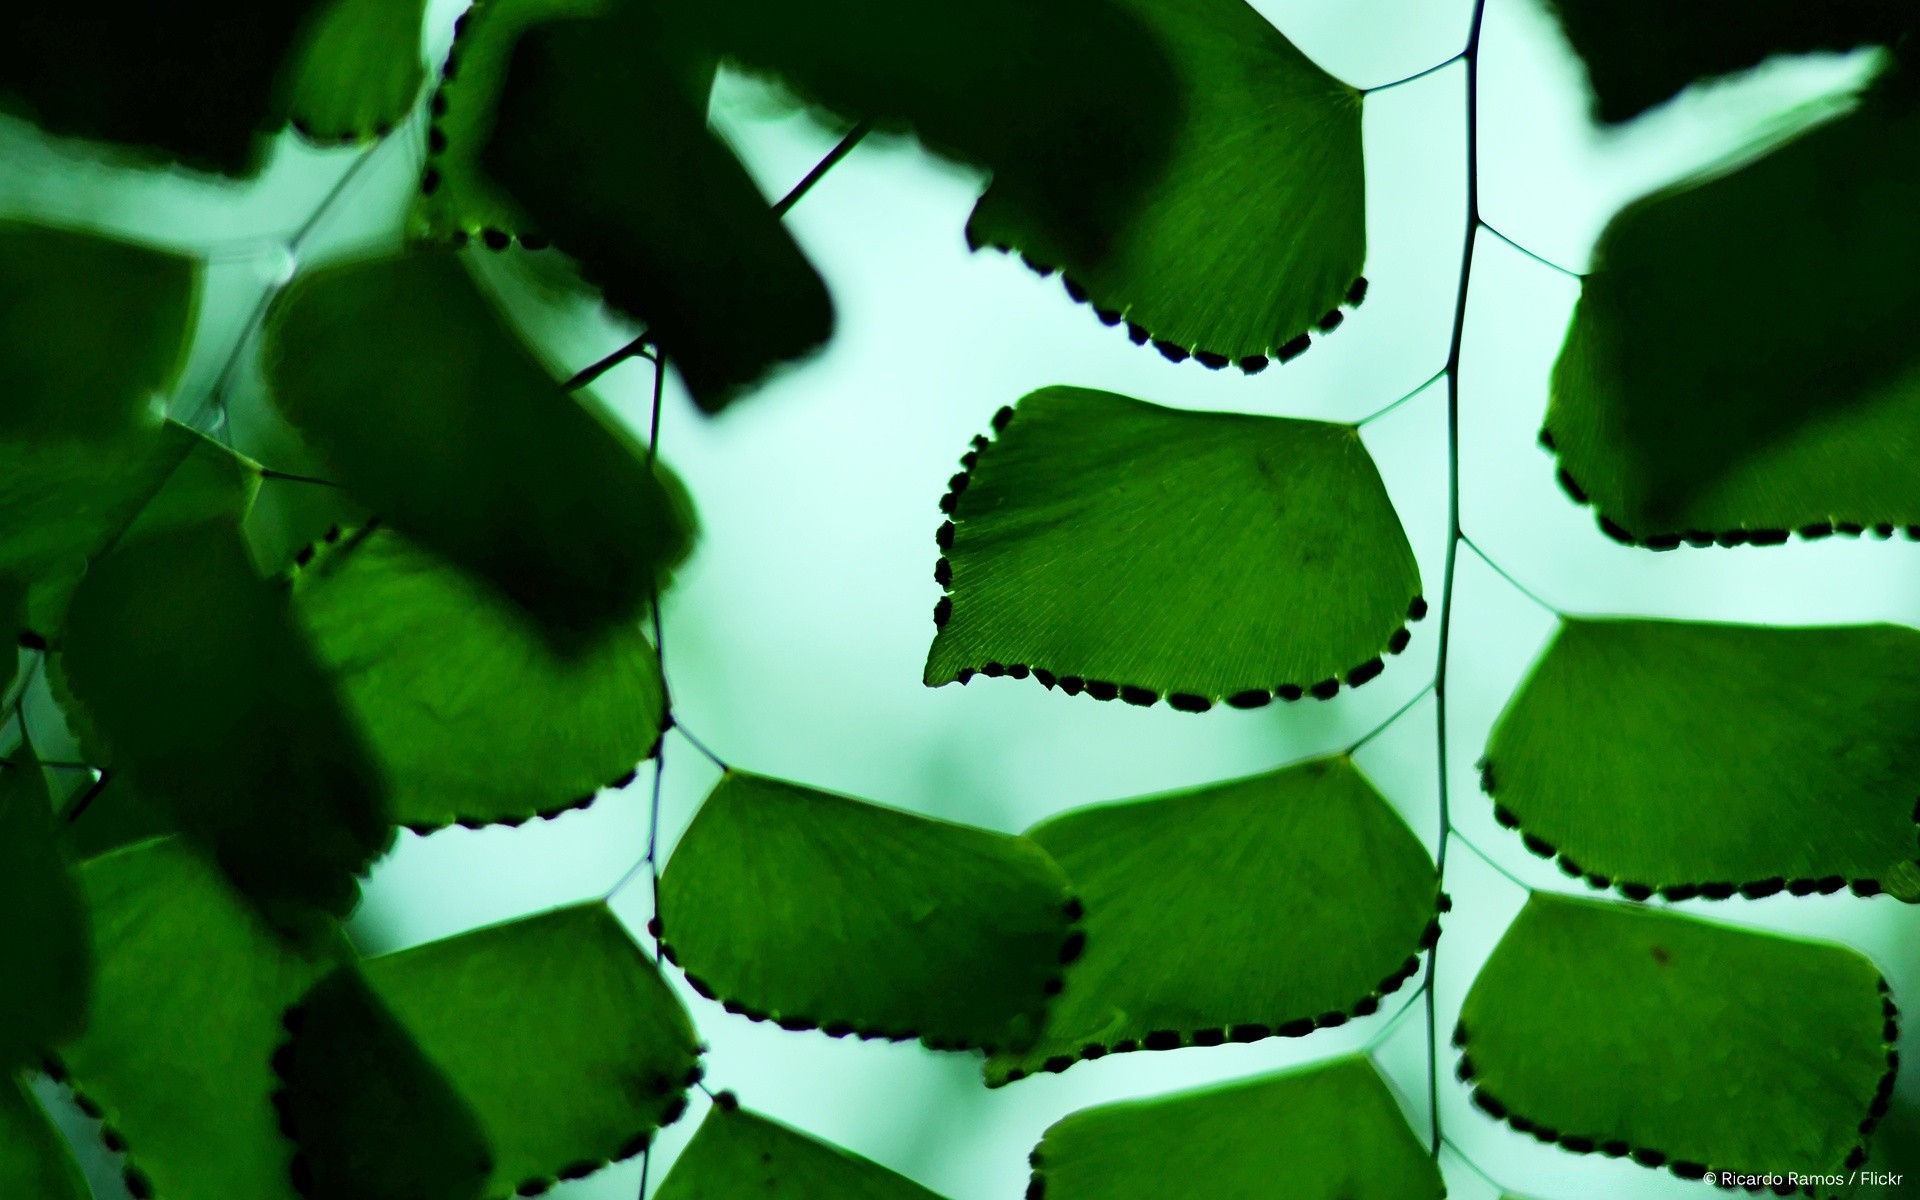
[45,950]
[427,406]
[472,713]
[559,1034]
[358,70]
[1680,1042]
[1272,905]
[35,1163]
[1331,1131]
[1128,550]
[1695,759]
[736,1153]
[1741,365]
[188,1000]
[814,910]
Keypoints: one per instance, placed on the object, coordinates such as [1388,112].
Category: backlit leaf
[358,70]
[45,950]
[815,910]
[1272,905]
[1682,1042]
[736,1153]
[35,1162]
[1127,550]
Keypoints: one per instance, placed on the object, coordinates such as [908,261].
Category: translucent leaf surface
[1251,232]
[1706,760]
[92,332]
[1123,549]
[1681,1042]
[821,911]
[1276,904]
[1326,1132]
[1640,52]
[472,713]
[34,1160]
[1741,366]
[428,408]
[736,1153]
[358,70]
[45,950]
[189,674]
[187,1011]
[563,1038]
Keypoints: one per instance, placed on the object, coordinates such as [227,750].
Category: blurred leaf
[92,331]
[1331,1131]
[468,708]
[1276,904]
[198,83]
[1249,233]
[189,675]
[1742,363]
[1679,1041]
[35,1162]
[1797,752]
[736,1153]
[563,1038]
[815,910]
[116,816]
[358,70]
[371,1117]
[1640,52]
[1142,552]
[603,137]
[187,1008]
[45,944]
[428,407]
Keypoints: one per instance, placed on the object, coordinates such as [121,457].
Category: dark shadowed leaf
[35,1163]
[565,1041]
[358,70]
[1142,552]
[1757,759]
[428,407]
[1276,904]
[45,946]
[1327,1132]
[188,1000]
[1741,364]
[471,712]
[821,911]
[736,1154]
[1683,1042]
[116,816]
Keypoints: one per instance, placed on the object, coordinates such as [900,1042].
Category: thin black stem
[785,204]
[1378,413]
[637,348]
[1475,1167]
[1507,575]
[290,477]
[1489,859]
[646,1161]
[85,801]
[701,746]
[1542,259]
[1387,724]
[1435,69]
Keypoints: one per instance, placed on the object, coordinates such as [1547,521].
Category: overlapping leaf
[1741,365]
[1680,1042]
[472,713]
[1701,759]
[358,70]
[1276,904]
[1326,1132]
[45,944]
[821,911]
[736,1153]
[426,406]
[34,1159]
[1127,550]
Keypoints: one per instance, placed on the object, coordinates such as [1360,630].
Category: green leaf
[1741,366]
[556,1030]
[473,715]
[45,945]
[1640,52]
[198,86]
[1681,1042]
[358,70]
[187,1007]
[372,1118]
[116,816]
[736,1153]
[187,673]
[815,910]
[1797,752]
[92,332]
[428,407]
[35,1163]
[1123,549]
[1250,233]
[1271,905]
[1331,1131]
